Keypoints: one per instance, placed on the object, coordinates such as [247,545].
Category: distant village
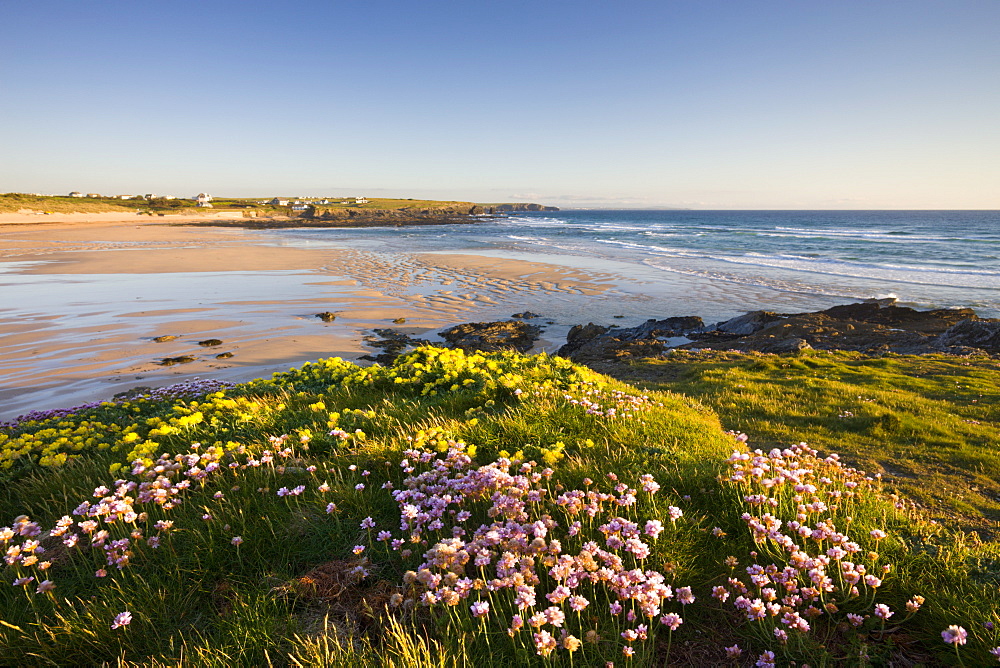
[204,200]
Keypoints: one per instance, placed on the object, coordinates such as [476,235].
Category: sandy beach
[85,295]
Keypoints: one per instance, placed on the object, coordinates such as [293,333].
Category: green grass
[931,424]
[288,594]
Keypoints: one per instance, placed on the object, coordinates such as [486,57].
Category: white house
[277,201]
[76,193]
[300,207]
[361,200]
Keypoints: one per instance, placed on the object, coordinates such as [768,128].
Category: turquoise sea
[720,263]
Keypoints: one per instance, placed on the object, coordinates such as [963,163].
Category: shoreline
[86,299]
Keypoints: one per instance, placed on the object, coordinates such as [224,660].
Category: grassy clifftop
[455,510]
[14,202]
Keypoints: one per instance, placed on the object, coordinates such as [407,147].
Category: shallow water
[721,263]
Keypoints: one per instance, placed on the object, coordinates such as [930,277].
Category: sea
[718,264]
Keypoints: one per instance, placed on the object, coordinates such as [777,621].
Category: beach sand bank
[83,300]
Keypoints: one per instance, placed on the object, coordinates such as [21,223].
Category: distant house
[76,193]
[203,198]
[361,200]
[277,201]
[323,201]
[94,195]
[124,197]
[300,207]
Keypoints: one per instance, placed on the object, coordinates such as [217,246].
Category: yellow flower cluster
[57,441]
[55,444]
[436,371]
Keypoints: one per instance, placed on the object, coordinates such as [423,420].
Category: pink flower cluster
[529,553]
[815,568]
[611,403]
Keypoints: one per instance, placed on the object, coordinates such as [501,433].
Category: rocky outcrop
[874,327]
[748,323]
[392,343]
[982,334]
[871,327]
[492,336]
[590,343]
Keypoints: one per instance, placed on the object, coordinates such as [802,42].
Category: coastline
[68,337]
[86,301]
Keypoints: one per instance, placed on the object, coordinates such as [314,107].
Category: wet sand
[81,301]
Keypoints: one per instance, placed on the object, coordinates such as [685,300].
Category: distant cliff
[320,216]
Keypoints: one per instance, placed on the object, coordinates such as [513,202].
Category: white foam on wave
[945,276]
[877,236]
[811,289]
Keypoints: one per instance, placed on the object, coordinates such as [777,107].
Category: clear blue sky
[695,103]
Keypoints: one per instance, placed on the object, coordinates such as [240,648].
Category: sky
[706,104]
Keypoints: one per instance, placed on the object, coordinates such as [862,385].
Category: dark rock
[399,321]
[888,314]
[492,336]
[669,327]
[790,345]
[208,343]
[982,334]
[170,361]
[165,338]
[392,344]
[223,356]
[526,315]
[134,392]
[579,335]
[592,343]
[326,316]
[748,323]
[618,316]
[875,328]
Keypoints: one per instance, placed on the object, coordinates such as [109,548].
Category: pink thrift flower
[671,620]
[237,540]
[121,619]
[954,635]
[358,549]
[479,608]
[882,611]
